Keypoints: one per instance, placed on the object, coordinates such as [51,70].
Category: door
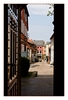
[12,63]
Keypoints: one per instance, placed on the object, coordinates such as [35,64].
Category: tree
[51,10]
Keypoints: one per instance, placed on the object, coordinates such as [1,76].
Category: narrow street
[42,85]
[29,40]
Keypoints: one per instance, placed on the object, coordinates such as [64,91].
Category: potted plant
[25,65]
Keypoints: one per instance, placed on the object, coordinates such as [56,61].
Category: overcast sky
[40,25]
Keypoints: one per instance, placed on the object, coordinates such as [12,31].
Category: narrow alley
[30,67]
[42,85]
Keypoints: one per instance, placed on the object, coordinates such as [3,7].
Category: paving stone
[42,85]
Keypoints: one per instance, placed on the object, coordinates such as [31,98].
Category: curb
[34,74]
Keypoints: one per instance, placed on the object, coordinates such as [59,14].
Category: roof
[39,42]
[30,41]
[23,6]
[47,43]
[52,36]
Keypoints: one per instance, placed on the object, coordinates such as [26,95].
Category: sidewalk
[42,85]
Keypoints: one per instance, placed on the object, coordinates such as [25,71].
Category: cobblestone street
[42,85]
[43,68]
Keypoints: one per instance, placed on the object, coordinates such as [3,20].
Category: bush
[25,65]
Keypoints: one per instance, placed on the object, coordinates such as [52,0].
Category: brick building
[41,48]
[15,34]
[24,30]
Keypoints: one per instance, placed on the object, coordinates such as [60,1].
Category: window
[24,47]
[12,48]
[44,50]
[12,53]
[40,51]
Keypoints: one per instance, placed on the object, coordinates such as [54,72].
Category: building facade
[13,33]
[32,50]
[41,48]
[52,49]
[13,51]
[48,51]
[24,31]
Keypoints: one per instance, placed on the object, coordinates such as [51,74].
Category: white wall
[47,50]
[22,48]
[52,50]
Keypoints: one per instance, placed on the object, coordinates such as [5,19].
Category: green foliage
[50,13]
[25,65]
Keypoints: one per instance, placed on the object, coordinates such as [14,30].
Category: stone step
[34,74]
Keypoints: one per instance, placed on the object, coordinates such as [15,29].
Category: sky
[40,25]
